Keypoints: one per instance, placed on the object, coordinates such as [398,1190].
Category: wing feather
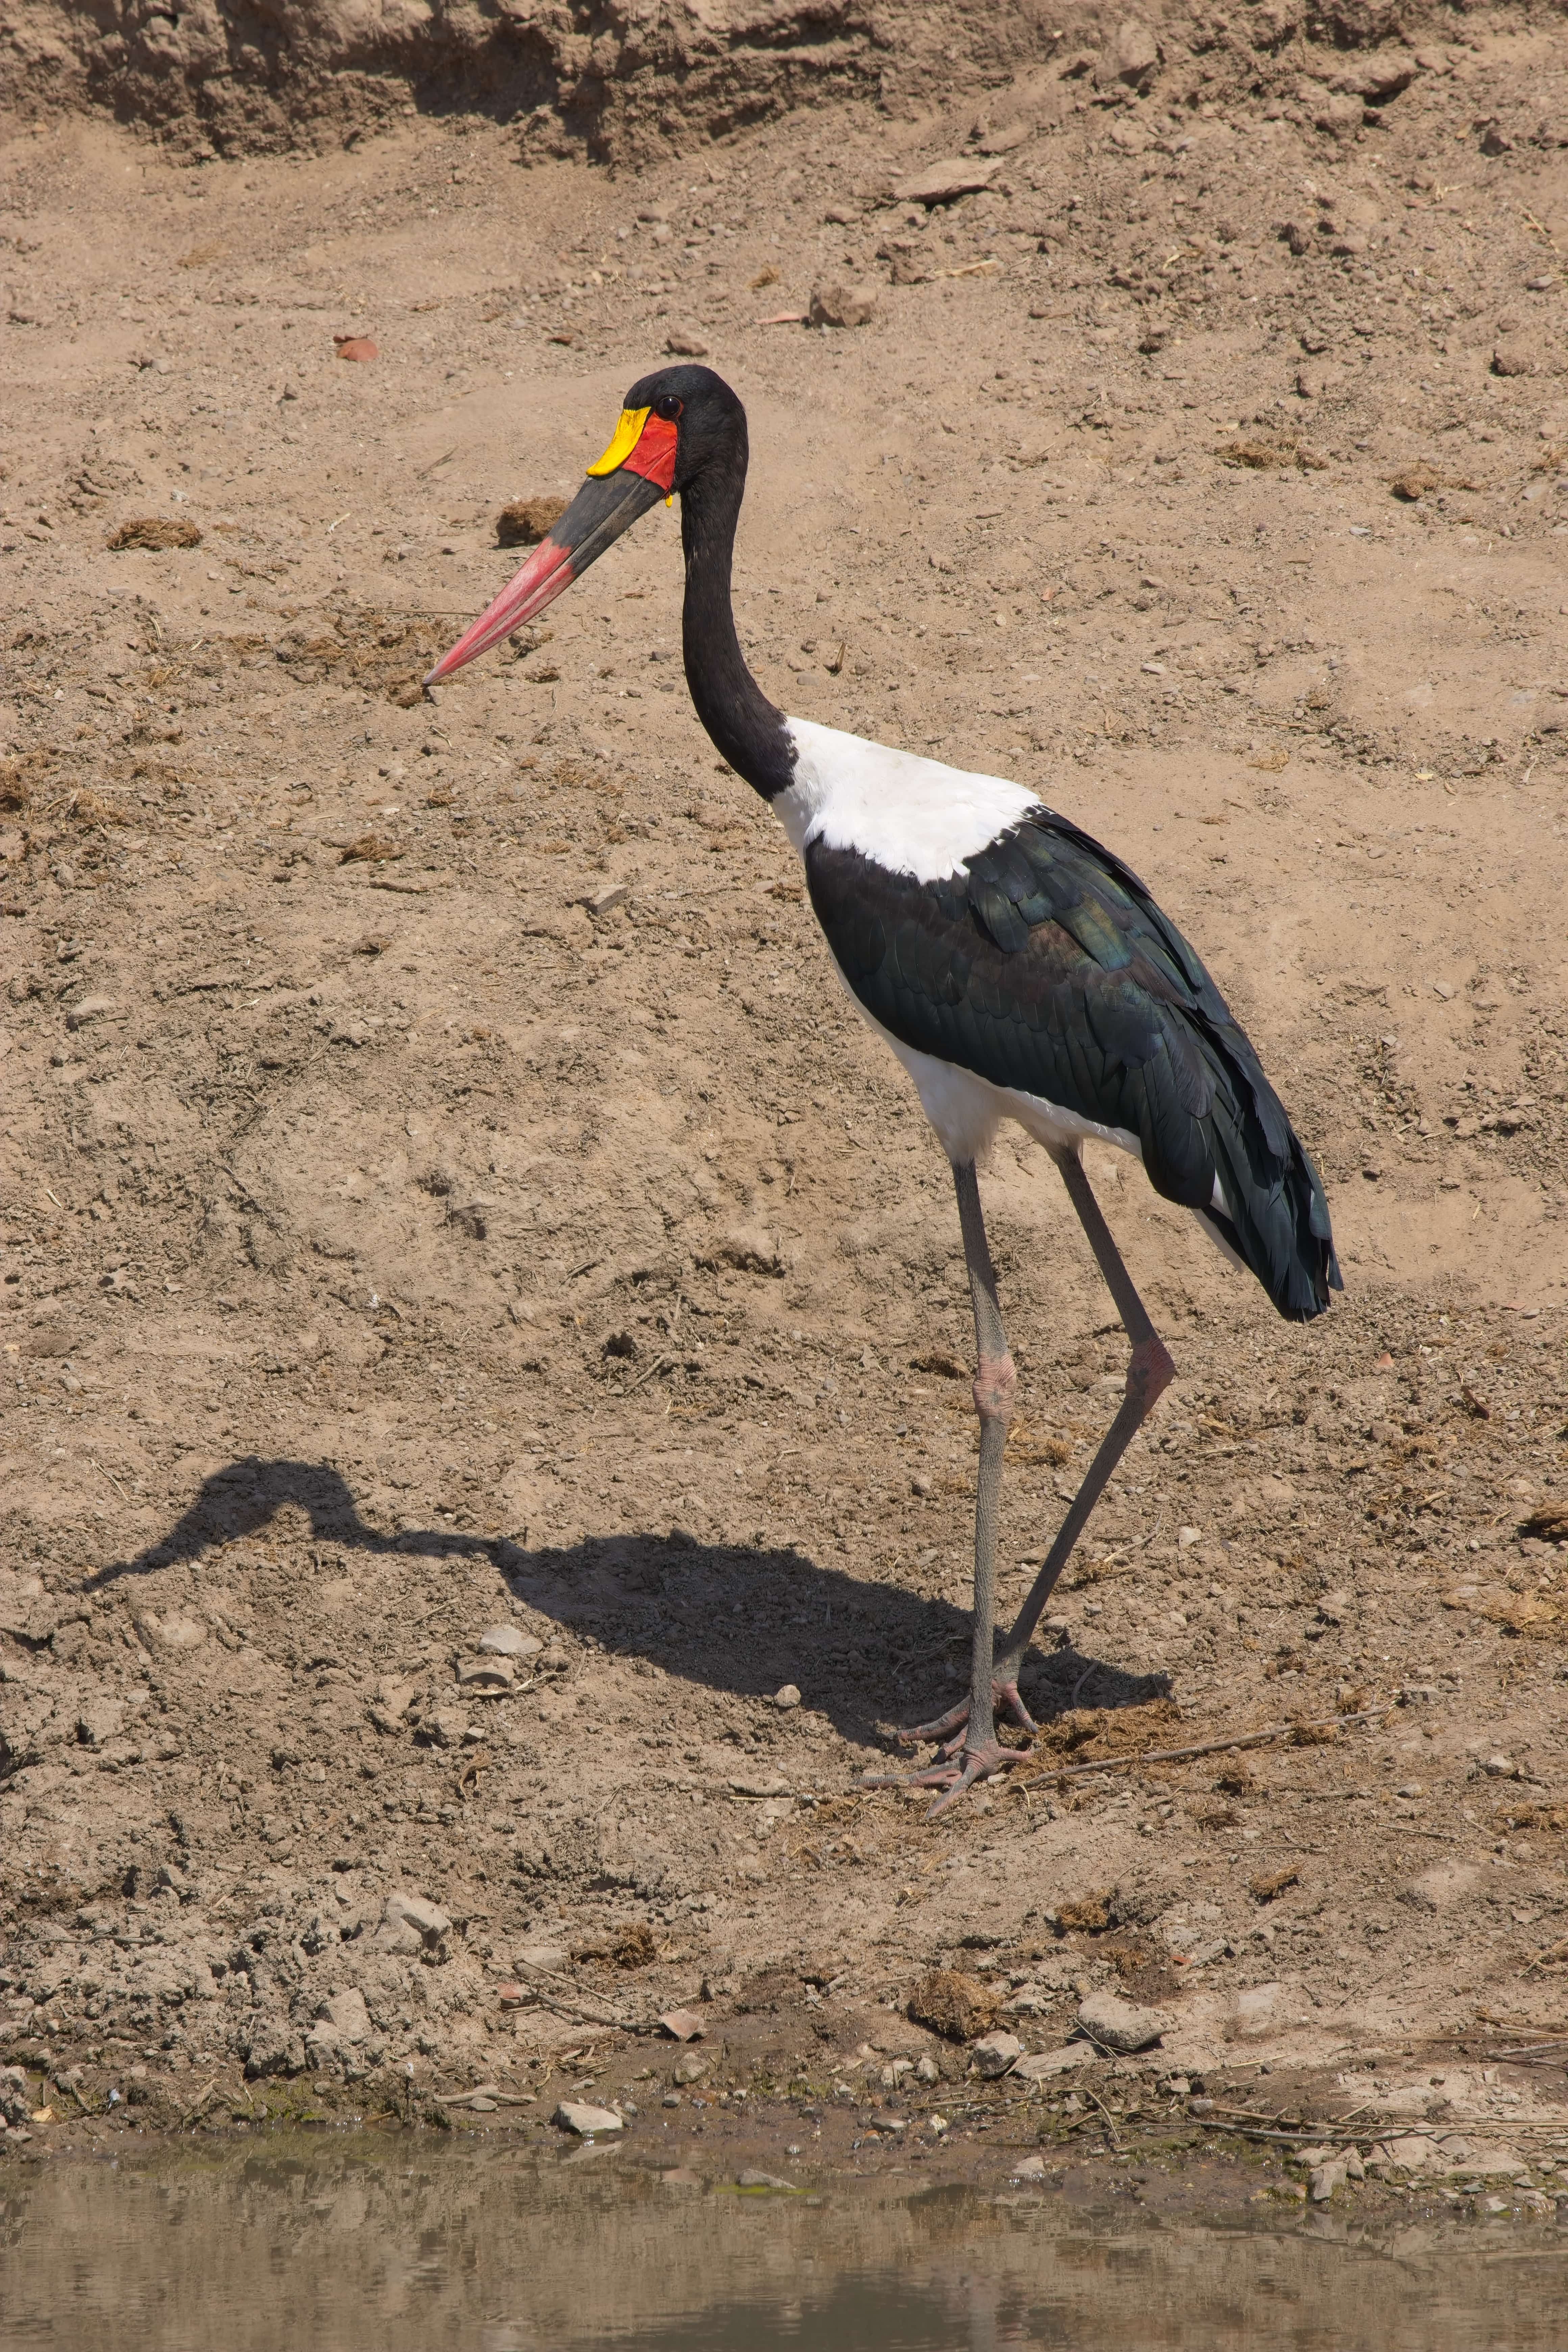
[1046,966]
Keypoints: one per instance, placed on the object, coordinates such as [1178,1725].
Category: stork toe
[959,1767]
[1005,1698]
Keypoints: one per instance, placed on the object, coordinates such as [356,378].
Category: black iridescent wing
[1046,968]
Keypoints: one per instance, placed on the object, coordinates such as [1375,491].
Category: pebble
[1004,138]
[428,1921]
[938,183]
[683,2025]
[685,343]
[1031,2167]
[1044,2064]
[573,2117]
[836,305]
[90,1009]
[995,2054]
[550,1956]
[1120,2025]
[690,2069]
[487,1678]
[509,1642]
[786,1695]
[1500,1768]
[762,2180]
[1256,2012]
[1130,57]
[1513,359]
[346,2013]
[101,1720]
[357,347]
[927,2070]
[447,1728]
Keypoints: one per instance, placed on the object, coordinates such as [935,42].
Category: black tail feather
[1278,1213]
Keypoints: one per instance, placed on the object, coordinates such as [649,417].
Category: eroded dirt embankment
[232,78]
[445,1190]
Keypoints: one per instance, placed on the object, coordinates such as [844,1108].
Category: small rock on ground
[995,2054]
[573,2117]
[1120,2025]
[940,182]
[1042,2064]
[842,305]
[509,1642]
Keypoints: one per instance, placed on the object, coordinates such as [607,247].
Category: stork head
[675,424]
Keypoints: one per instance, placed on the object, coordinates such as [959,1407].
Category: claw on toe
[958,1766]
[960,1769]
[1005,1698]
[942,1726]
[974,1764]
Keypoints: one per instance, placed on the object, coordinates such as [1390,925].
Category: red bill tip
[541,579]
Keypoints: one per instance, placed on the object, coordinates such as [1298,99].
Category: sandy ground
[445,1188]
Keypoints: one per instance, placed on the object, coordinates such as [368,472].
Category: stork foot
[1005,1700]
[960,1769]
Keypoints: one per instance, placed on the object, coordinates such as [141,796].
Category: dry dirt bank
[228,77]
[444,1188]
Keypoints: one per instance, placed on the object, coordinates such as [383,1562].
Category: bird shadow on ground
[743,1619]
[246,1495]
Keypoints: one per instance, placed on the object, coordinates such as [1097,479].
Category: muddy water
[335,2248]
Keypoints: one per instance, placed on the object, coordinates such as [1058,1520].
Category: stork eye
[667,406]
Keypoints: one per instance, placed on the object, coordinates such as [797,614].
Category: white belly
[966,1110]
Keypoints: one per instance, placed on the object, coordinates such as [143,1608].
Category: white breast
[912,816]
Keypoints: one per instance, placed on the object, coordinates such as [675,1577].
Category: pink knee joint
[993,1388]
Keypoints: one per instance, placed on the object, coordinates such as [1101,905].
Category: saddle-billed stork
[1016,969]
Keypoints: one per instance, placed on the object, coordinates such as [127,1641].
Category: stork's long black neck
[743,724]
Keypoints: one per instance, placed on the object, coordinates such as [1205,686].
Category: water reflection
[364,2246]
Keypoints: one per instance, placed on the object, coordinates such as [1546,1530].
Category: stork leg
[994,1677]
[975,1752]
[1149,1374]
